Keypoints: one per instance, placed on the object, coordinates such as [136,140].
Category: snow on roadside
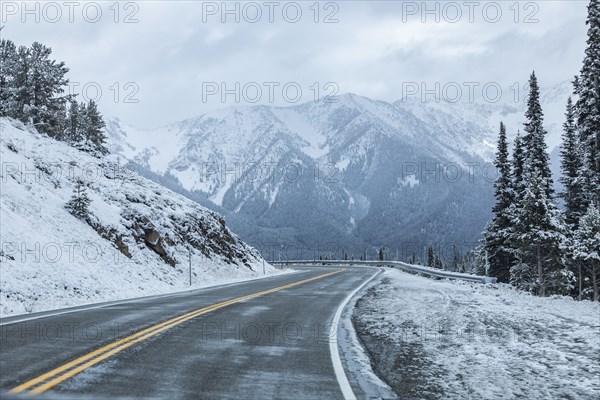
[137,242]
[460,340]
[364,381]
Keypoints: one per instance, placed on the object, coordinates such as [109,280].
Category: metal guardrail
[419,269]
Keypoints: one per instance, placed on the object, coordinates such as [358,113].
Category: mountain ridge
[351,162]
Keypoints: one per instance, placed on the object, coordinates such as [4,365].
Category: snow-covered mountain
[489,115]
[137,240]
[347,174]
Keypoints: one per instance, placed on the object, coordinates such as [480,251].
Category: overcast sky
[176,55]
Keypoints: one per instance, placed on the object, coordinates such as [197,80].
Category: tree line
[531,242]
[32,90]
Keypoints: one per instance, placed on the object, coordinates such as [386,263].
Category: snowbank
[461,340]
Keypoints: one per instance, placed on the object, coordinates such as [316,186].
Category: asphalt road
[268,338]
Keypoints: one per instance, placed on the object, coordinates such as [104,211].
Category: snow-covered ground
[439,339]
[136,242]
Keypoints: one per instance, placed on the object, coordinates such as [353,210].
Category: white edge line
[75,309]
[338,368]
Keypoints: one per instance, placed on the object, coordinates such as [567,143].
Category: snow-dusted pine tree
[496,235]
[57,121]
[537,238]
[518,166]
[32,87]
[571,164]
[79,203]
[587,246]
[573,194]
[72,131]
[95,130]
[82,127]
[517,229]
[20,92]
[8,64]
[587,107]
[32,90]
[46,85]
[430,257]
[89,135]
[534,140]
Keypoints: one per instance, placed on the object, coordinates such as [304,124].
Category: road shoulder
[356,360]
[438,339]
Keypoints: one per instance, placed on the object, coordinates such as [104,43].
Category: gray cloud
[373,49]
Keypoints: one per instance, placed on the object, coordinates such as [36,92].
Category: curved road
[267,338]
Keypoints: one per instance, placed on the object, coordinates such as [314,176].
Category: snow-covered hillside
[136,241]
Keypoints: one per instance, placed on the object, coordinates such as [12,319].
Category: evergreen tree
[58,122]
[516,228]
[537,242]
[381,254]
[456,259]
[430,257]
[518,166]
[21,93]
[574,194]
[45,86]
[95,129]
[72,131]
[83,127]
[571,163]
[587,246]
[534,140]
[535,233]
[79,203]
[496,234]
[89,132]
[82,115]
[8,64]
[32,87]
[32,90]
[587,108]
[438,262]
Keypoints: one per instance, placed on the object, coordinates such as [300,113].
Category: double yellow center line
[52,378]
